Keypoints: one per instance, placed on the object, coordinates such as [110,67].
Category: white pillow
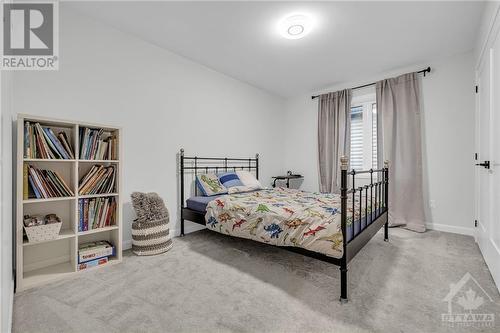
[249,180]
[241,189]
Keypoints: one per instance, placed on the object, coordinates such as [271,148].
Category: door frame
[492,36]
[476,155]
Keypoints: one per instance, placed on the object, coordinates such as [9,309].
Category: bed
[325,226]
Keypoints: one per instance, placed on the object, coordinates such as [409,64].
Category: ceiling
[351,40]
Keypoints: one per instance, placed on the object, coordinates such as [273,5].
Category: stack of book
[96,213]
[42,142]
[99,180]
[93,145]
[44,184]
[94,254]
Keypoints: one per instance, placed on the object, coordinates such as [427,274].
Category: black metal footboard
[364,219]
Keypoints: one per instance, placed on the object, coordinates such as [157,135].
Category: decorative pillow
[230,179]
[209,184]
[249,180]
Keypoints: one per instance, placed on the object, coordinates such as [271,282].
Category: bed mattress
[199,203]
[287,217]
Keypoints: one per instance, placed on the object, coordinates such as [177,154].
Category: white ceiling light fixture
[295,26]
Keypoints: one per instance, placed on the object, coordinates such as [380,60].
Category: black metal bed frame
[377,190]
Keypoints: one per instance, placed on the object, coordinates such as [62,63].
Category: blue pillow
[230,179]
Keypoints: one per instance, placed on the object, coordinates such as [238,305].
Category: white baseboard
[188,227]
[450,228]
[191,227]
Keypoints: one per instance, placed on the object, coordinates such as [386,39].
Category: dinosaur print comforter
[281,217]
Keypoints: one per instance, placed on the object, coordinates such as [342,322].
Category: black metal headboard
[216,164]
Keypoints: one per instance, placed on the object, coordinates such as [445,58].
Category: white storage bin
[45,232]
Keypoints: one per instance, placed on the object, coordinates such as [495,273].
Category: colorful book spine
[96,213]
[42,143]
[80,215]
[33,187]
[48,183]
[27,153]
[86,225]
[96,144]
[25,182]
[32,143]
[40,147]
[55,142]
[93,263]
[99,180]
[37,183]
[63,138]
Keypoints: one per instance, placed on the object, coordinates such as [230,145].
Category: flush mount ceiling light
[295,26]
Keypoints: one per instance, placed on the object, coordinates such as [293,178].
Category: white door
[488,173]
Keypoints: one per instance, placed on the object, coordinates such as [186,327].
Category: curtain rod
[423,71]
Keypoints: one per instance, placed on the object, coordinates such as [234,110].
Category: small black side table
[287,178]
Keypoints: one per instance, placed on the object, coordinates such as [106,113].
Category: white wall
[489,17]
[448,139]
[449,101]
[162,101]
[6,276]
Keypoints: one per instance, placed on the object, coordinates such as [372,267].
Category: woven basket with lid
[150,232]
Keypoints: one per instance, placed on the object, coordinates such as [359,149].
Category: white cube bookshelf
[42,262]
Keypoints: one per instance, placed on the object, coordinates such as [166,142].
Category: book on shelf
[92,263]
[96,144]
[94,250]
[26,188]
[42,142]
[99,180]
[96,213]
[46,184]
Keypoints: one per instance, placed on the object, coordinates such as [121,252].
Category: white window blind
[364,134]
[374,135]
[357,137]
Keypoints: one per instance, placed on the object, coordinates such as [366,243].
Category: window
[363,133]
[357,137]
[374,135]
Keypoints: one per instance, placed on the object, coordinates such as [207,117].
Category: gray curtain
[398,115]
[334,134]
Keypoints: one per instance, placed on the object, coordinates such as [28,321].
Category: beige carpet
[213,283]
